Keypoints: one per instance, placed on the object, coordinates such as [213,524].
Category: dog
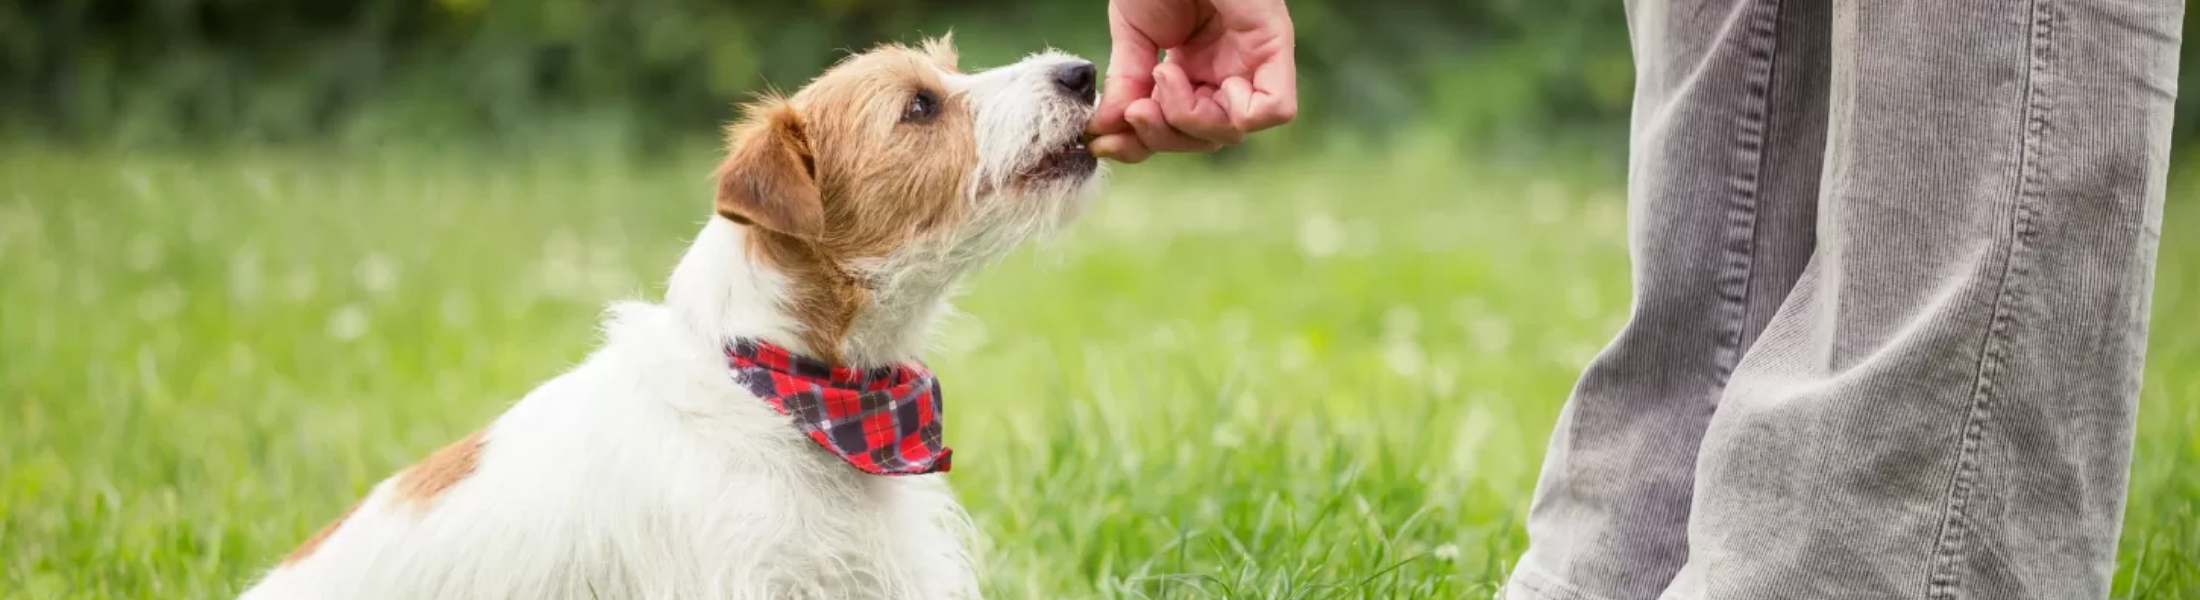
[767,431]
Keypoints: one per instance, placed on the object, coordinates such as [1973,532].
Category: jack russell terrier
[768,431]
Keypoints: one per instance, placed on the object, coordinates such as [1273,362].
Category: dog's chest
[843,540]
[780,518]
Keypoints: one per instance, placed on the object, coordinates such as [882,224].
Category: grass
[1325,378]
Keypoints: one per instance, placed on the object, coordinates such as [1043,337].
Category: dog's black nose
[1075,79]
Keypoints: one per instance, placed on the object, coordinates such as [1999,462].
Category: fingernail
[1103,148]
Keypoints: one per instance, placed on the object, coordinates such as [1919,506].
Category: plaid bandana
[884,421]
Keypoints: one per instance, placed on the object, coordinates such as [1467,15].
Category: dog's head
[896,169]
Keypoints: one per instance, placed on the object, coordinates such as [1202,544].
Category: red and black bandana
[884,421]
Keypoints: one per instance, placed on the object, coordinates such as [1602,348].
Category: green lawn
[1327,378]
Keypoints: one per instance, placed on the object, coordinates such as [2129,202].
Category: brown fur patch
[314,543]
[422,483]
[876,180]
[767,179]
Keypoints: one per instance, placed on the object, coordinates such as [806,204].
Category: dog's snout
[1075,79]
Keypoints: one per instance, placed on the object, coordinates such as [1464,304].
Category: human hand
[1228,72]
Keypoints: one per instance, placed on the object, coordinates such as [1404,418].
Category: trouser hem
[1530,583]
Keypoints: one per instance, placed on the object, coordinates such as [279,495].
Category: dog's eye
[922,107]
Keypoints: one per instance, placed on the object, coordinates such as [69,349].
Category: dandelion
[456,310]
[245,275]
[1449,552]
[1404,357]
[160,303]
[376,273]
[300,286]
[1321,236]
[144,253]
[348,323]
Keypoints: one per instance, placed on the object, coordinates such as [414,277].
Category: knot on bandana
[882,421]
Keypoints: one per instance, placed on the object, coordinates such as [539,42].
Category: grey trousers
[1892,262]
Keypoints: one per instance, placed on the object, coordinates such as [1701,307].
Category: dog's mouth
[1072,159]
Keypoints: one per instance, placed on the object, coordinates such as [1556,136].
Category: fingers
[1130,73]
[1151,106]
[1150,133]
[1263,94]
[1120,147]
[1193,112]
[1270,99]
[1154,131]
[1254,109]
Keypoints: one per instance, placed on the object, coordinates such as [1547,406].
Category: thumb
[1130,74]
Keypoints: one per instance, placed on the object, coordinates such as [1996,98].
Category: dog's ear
[769,179]
[942,51]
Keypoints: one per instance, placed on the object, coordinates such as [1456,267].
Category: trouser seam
[1751,137]
[1954,540]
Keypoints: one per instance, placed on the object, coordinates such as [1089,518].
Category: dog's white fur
[646,472]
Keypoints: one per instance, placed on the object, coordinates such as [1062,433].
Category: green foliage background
[165,71]
[155,71]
